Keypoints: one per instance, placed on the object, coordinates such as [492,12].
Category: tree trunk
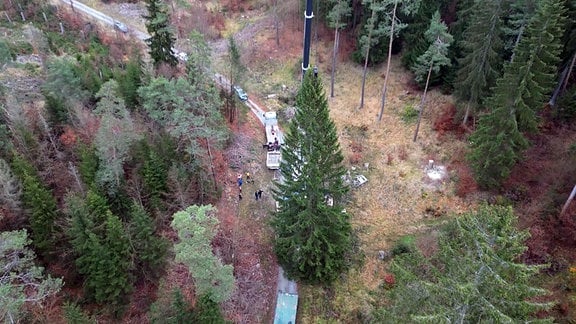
[364,79]
[334,55]
[421,112]
[366,60]
[570,198]
[385,87]
[276,23]
[562,82]
[518,37]
[212,165]
[569,72]
[466,113]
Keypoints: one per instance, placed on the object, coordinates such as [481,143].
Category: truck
[274,140]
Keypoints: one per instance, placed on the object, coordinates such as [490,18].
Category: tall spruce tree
[435,57]
[313,234]
[535,62]
[482,44]
[161,41]
[40,204]
[148,248]
[101,246]
[498,143]
[473,277]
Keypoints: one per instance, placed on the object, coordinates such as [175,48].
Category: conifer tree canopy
[473,277]
[519,94]
[312,235]
[161,41]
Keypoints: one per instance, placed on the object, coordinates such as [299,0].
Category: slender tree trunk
[568,201]
[559,86]
[334,55]
[466,113]
[212,165]
[366,60]
[421,112]
[562,82]
[385,87]
[569,72]
[364,79]
[518,37]
[276,23]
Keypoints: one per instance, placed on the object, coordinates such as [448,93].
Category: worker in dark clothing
[259,194]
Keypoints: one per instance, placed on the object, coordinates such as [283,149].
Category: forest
[118,162]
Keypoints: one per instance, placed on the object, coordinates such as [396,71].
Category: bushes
[404,245]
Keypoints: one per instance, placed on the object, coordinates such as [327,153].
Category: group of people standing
[240,181]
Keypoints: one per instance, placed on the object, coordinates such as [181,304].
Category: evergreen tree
[101,246]
[521,12]
[196,227]
[129,82]
[535,62]
[183,313]
[473,277]
[161,41]
[149,250]
[433,59]
[106,263]
[207,311]
[236,72]
[482,44]
[40,203]
[498,143]
[199,60]
[63,82]
[414,43]
[74,314]
[155,177]
[313,236]
[88,164]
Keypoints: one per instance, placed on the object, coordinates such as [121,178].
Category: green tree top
[313,232]
[437,54]
[161,41]
[473,277]
[535,62]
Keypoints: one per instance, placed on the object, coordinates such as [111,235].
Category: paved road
[89,11]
